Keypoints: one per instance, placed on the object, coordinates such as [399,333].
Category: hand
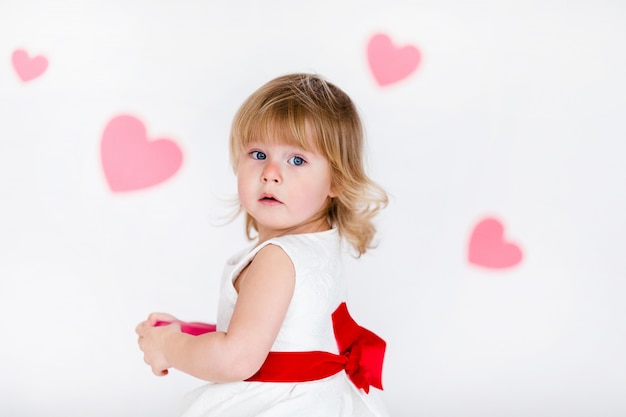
[152,341]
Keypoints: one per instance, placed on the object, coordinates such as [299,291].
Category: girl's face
[284,188]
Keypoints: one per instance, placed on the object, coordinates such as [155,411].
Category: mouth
[269,199]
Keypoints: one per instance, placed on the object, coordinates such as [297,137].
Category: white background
[516,111]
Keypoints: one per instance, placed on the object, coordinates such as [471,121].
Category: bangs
[277,128]
[284,123]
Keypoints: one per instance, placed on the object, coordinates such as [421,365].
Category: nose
[271,173]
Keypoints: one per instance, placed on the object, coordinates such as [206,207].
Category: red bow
[361,356]
[364,350]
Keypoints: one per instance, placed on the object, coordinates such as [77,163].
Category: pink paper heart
[389,63]
[488,248]
[28,68]
[131,161]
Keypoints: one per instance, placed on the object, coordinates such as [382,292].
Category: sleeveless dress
[320,288]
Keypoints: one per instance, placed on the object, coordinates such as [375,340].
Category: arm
[265,291]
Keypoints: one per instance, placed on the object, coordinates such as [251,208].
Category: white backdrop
[479,115]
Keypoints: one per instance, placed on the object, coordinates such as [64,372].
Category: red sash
[361,356]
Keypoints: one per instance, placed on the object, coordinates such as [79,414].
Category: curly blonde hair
[283,109]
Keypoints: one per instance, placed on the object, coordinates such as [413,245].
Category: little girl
[285,344]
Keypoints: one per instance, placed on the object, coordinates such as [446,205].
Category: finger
[141,328]
[154,317]
[160,372]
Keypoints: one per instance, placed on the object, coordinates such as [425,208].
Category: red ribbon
[361,355]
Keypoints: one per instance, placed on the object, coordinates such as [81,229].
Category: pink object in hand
[193,328]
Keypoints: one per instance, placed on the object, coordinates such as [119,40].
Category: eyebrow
[306,152]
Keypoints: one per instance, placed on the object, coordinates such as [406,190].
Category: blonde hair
[282,109]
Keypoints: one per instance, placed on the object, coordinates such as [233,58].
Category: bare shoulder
[270,265]
[275,257]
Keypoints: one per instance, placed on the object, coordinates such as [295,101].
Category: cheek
[315,193]
[325,185]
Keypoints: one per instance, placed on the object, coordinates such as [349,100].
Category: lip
[269,199]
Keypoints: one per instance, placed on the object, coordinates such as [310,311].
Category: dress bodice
[319,289]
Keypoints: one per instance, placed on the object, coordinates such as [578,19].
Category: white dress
[320,288]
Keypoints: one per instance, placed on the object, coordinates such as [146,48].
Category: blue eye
[296,160]
[258,155]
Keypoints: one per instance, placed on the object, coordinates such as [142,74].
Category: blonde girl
[285,344]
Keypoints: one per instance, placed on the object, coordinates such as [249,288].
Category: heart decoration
[488,248]
[131,161]
[390,63]
[28,68]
